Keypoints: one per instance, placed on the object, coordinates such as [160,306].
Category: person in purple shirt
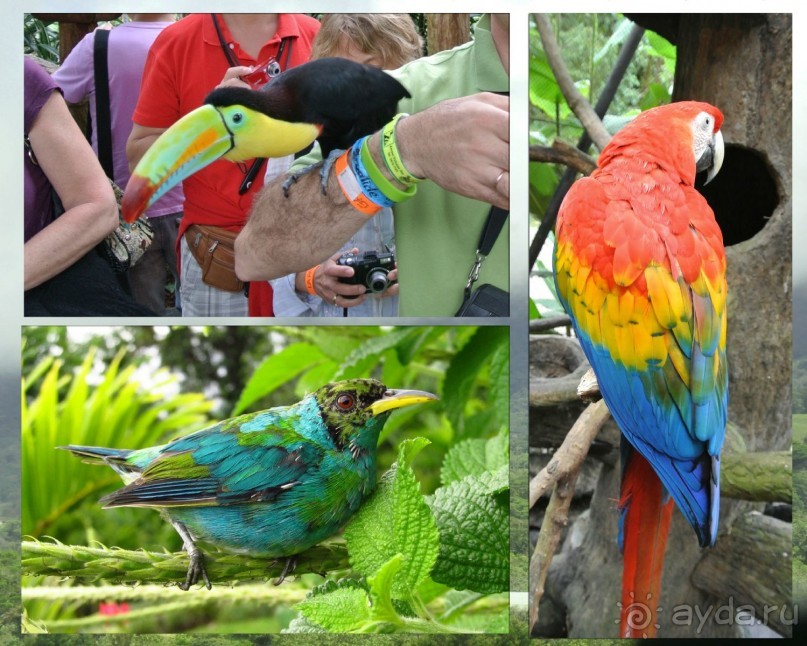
[63,274]
[129,43]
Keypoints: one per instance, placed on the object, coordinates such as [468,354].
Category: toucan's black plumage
[346,99]
[332,100]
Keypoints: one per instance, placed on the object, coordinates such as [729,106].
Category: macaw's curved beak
[393,399]
[712,158]
[201,137]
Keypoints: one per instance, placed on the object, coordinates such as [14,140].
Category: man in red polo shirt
[187,60]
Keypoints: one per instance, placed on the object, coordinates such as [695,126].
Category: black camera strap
[490,232]
[257,164]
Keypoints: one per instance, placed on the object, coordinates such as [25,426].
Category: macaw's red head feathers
[683,138]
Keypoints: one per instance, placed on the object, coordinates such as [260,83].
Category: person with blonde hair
[386,41]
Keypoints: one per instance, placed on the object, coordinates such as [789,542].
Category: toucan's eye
[237,117]
[345,402]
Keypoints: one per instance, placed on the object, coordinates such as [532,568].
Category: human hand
[393,289]
[232,77]
[463,145]
[331,290]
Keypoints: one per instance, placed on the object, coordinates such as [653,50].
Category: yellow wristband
[391,154]
[309,281]
[351,188]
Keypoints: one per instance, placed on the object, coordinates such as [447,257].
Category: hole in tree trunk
[743,195]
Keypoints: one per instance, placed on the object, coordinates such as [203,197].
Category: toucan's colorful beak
[201,137]
[393,399]
[195,141]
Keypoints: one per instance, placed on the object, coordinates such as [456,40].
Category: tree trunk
[446,30]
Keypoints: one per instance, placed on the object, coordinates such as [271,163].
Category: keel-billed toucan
[332,100]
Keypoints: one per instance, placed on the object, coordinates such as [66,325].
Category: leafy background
[430,552]
[590,44]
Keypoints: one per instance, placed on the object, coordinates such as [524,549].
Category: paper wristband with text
[351,188]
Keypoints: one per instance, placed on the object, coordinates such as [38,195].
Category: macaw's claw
[288,568]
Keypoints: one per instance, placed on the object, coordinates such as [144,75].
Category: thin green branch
[127,566]
[287,594]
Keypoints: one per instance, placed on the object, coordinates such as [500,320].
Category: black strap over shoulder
[103,124]
[497,216]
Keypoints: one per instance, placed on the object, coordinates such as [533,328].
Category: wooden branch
[566,461]
[563,153]
[560,390]
[751,566]
[549,323]
[760,477]
[562,472]
[581,108]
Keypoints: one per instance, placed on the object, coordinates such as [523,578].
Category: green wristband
[391,154]
[382,183]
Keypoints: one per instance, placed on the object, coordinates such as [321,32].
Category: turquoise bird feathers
[271,483]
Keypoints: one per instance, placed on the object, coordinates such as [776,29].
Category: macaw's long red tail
[646,509]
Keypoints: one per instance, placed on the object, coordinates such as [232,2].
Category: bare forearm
[285,235]
[67,239]
[140,140]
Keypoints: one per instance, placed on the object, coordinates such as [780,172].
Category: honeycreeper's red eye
[345,402]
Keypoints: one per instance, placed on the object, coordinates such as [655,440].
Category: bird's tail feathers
[113,458]
[645,513]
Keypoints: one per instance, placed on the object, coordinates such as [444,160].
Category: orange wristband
[309,281]
[351,188]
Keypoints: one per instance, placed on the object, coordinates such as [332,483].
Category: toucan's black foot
[288,568]
[196,567]
[292,179]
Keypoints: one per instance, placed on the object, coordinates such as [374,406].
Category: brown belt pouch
[214,249]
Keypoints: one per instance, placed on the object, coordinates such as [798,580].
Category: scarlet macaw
[641,269]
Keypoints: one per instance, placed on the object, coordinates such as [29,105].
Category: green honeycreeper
[271,483]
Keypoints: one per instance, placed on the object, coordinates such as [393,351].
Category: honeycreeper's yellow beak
[398,399]
[201,137]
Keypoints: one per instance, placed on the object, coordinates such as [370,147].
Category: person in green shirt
[457,138]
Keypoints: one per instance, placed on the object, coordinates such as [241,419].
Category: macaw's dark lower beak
[712,158]
[201,137]
[393,399]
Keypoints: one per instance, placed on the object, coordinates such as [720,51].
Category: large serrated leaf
[474,536]
[396,520]
[462,371]
[474,457]
[276,370]
[342,610]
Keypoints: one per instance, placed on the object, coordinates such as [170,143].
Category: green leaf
[381,587]
[463,370]
[474,536]
[370,350]
[396,520]
[341,610]
[276,370]
[474,457]
[499,393]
